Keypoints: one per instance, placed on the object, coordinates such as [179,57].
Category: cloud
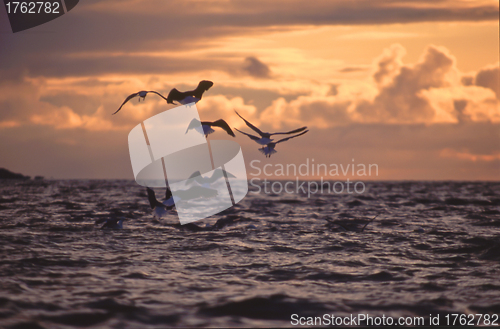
[429,91]
[401,99]
[389,64]
[57,103]
[373,35]
[255,68]
[154,36]
[321,112]
[489,77]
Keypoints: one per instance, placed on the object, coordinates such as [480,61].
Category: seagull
[142,94]
[206,181]
[189,96]
[111,223]
[268,150]
[160,209]
[207,126]
[265,138]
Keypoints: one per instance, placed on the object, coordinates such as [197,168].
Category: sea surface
[434,248]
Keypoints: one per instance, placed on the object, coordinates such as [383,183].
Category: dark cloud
[460,105]
[112,28]
[389,64]
[467,80]
[489,78]
[334,90]
[353,69]
[254,67]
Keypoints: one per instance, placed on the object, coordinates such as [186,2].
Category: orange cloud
[429,92]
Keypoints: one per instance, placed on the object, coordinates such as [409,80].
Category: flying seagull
[206,181]
[205,127]
[268,150]
[159,208]
[265,138]
[142,94]
[189,96]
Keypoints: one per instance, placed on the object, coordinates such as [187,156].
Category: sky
[410,86]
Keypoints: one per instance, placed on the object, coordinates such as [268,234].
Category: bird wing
[369,223]
[126,100]
[257,130]
[228,174]
[174,95]
[157,93]
[290,132]
[153,202]
[255,138]
[222,124]
[168,193]
[285,139]
[193,124]
[219,173]
[216,175]
[196,176]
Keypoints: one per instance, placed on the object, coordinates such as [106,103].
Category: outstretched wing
[285,139]
[174,95]
[196,176]
[153,202]
[223,124]
[290,132]
[193,124]
[126,100]
[255,138]
[218,174]
[257,130]
[157,93]
[168,193]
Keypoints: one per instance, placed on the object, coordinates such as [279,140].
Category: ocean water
[433,249]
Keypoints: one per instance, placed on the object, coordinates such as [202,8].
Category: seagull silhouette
[268,150]
[265,138]
[142,94]
[160,209]
[205,127]
[189,96]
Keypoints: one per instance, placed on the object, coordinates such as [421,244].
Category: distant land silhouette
[7,174]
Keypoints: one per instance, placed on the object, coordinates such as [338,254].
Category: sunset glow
[412,86]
